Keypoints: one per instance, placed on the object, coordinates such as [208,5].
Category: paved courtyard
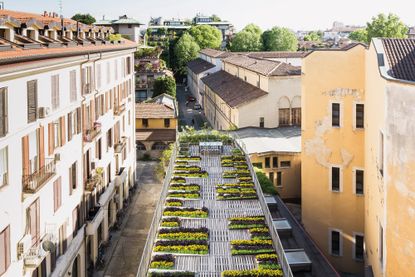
[124,253]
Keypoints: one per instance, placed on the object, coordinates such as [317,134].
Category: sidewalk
[124,253]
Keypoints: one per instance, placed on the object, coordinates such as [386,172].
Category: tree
[164,84]
[84,18]
[248,39]
[215,18]
[279,39]
[115,37]
[266,184]
[359,35]
[312,36]
[206,36]
[185,50]
[384,26]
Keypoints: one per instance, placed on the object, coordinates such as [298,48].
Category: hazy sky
[295,14]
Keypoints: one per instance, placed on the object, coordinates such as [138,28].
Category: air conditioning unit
[57,157]
[44,112]
[24,245]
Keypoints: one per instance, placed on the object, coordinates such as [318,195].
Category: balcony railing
[33,182]
[119,109]
[92,182]
[92,133]
[119,147]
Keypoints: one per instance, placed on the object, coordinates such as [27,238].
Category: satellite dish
[48,246]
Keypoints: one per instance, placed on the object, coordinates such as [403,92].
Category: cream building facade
[67,156]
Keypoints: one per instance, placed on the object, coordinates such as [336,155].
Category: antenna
[60,3]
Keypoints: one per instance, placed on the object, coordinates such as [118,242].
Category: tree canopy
[389,26]
[215,18]
[248,39]
[84,18]
[164,84]
[279,39]
[206,36]
[359,35]
[313,36]
[185,50]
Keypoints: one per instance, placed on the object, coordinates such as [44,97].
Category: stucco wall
[156,123]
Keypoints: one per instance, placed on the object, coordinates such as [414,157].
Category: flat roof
[264,140]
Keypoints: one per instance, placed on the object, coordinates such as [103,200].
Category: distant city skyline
[296,15]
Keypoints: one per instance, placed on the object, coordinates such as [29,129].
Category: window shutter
[3,112]
[72,76]
[7,249]
[78,120]
[31,101]
[25,153]
[62,128]
[70,181]
[51,139]
[41,131]
[70,115]
[83,81]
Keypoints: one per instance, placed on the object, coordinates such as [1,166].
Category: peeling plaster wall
[400,176]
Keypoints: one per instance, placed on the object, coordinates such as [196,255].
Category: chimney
[45,13]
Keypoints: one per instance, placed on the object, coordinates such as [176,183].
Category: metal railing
[33,182]
[268,218]
[148,248]
[92,182]
[92,133]
[119,109]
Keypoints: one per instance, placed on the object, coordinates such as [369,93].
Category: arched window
[159,146]
[140,146]
[296,111]
[284,111]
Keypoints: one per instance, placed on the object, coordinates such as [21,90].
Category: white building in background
[124,25]
[67,142]
[225,27]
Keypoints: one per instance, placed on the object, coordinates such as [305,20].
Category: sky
[294,14]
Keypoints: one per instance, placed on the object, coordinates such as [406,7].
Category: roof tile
[400,54]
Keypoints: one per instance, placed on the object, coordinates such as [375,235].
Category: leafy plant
[253,273]
[187,195]
[174,203]
[171,274]
[182,246]
[186,212]
[170,222]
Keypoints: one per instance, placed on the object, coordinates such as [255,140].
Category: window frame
[355,127]
[261,122]
[279,179]
[332,114]
[144,122]
[167,123]
[340,178]
[355,234]
[3,182]
[331,230]
[267,164]
[7,249]
[283,166]
[275,161]
[355,170]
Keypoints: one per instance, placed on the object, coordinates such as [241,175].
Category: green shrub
[253,273]
[266,184]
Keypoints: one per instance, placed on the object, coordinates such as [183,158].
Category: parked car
[197,107]
[191,98]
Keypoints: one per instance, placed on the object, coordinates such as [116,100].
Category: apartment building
[124,25]
[249,92]
[358,143]
[66,142]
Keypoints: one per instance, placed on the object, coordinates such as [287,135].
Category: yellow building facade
[332,159]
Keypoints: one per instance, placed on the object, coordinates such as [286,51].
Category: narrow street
[187,113]
[123,255]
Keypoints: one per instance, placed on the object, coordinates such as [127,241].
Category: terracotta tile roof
[155,134]
[400,54]
[153,110]
[264,67]
[231,89]
[199,65]
[276,54]
[215,53]
[25,16]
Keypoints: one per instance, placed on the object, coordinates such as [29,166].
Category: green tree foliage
[248,39]
[114,37]
[215,18]
[206,36]
[279,39]
[166,85]
[313,36]
[359,35]
[266,185]
[185,50]
[84,18]
[389,26]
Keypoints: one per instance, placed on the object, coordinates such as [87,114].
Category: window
[285,164]
[360,114]
[98,75]
[167,123]
[3,167]
[108,72]
[3,112]
[75,221]
[72,85]
[271,177]
[381,154]
[55,92]
[335,179]
[31,101]
[258,165]
[335,244]
[57,194]
[128,65]
[129,26]
[335,115]
[279,179]
[109,139]
[381,244]
[284,117]
[359,181]
[267,162]
[296,116]
[245,78]
[261,122]
[33,213]
[73,183]
[274,162]
[145,122]
[61,249]
[358,247]
[98,151]
[140,146]
[4,250]
[33,152]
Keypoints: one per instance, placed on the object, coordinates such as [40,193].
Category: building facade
[66,145]
[129,28]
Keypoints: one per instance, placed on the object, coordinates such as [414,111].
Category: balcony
[92,182]
[94,219]
[91,133]
[118,110]
[119,146]
[34,182]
